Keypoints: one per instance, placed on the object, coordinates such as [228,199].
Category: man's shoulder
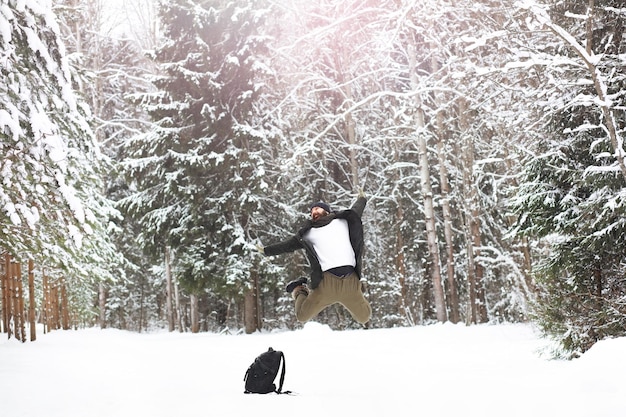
[304,227]
[344,214]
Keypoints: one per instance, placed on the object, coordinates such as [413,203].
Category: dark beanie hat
[321,205]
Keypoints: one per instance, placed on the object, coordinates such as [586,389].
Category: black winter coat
[355,228]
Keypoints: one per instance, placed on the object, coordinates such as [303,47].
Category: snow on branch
[592,61]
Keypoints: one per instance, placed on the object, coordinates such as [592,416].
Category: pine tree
[52,208]
[198,174]
[572,194]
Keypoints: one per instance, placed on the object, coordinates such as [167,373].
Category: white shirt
[332,244]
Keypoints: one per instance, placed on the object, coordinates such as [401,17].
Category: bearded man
[333,242]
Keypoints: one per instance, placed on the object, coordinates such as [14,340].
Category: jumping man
[333,242]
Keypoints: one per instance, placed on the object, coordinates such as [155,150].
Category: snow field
[439,370]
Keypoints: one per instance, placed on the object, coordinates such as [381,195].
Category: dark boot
[297,283]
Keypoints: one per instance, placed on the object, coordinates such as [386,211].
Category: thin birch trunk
[351,131]
[453,299]
[429,211]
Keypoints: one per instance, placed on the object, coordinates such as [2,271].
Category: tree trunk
[46,303]
[598,281]
[141,306]
[65,307]
[250,311]
[20,325]
[431,227]
[4,286]
[178,314]
[351,132]
[54,304]
[480,272]
[472,316]
[429,211]
[453,300]
[9,295]
[257,293]
[102,303]
[195,314]
[478,308]
[31,301]
[453,295]
[168,291]
[401,270]
[403,305]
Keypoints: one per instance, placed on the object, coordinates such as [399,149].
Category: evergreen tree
[572,193]
[198,173]
[52,207]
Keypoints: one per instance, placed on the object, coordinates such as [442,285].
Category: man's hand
[261,249]
[361,192]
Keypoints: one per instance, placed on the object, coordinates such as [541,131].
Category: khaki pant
[333,289]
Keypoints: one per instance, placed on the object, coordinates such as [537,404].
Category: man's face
[317,213]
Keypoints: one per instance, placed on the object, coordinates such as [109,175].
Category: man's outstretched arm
[285,246]
[359,204]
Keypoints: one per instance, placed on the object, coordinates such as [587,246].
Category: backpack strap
[282,376]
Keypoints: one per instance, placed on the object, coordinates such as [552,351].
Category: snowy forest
[148,147]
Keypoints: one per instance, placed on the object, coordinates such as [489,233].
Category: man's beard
[317,216]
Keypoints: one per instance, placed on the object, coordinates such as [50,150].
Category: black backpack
[261,374]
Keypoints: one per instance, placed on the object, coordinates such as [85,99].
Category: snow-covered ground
[439,370]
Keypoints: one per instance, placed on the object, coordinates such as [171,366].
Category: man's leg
[353,299]
[309,306]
